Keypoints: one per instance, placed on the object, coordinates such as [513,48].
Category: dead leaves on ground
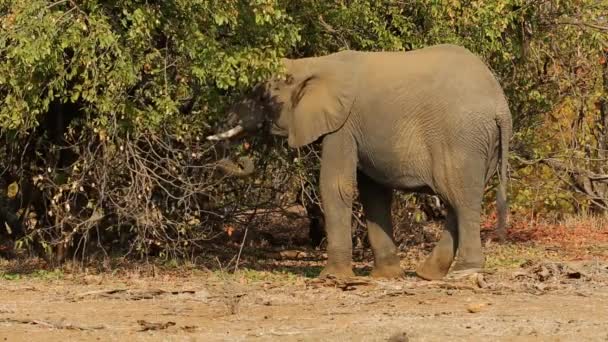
[52,325]
[144,325]
[546,271]
[147,326]
[472,283]
[130,294]
[345,284]
[533,277]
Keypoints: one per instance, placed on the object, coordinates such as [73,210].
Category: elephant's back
[445,81]
[417,108]
[450,65]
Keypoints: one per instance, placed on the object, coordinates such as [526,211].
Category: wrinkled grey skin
[433,120]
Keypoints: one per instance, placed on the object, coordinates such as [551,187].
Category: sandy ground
[540,300]
[545,284]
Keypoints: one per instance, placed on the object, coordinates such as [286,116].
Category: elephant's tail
[503,121]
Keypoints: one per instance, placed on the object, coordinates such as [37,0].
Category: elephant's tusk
[226,135]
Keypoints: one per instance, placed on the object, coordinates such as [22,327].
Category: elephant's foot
[338,271]
[437,265]
[464,269]
[456,275]
[387,270]
[430,270]
[461,265]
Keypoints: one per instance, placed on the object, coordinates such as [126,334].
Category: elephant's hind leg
[437,265]
[470,255]
[376,200]
[467,207]
[460,184]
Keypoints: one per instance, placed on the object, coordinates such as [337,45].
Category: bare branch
[333,31]
[582,24]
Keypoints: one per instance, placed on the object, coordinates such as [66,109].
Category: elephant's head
[311,99]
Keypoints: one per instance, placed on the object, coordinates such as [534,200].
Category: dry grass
[573,238]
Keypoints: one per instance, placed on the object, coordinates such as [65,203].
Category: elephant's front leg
[376,200]
[337,182]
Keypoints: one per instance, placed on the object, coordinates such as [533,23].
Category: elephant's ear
[321,102]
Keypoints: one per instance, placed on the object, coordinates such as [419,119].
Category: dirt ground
[539,301]
[532,292]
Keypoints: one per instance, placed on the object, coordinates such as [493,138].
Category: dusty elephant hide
[433,120]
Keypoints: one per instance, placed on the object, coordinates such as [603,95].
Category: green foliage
[54,274]
[133,63]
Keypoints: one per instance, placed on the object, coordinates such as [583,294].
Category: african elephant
[433,120]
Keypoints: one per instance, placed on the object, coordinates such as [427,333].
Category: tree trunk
[603,152]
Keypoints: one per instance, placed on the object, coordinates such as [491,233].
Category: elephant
[433,120]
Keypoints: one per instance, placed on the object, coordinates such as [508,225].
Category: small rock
[399,337]
[202,295]
[475,308]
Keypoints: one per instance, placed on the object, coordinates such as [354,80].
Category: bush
[103,107]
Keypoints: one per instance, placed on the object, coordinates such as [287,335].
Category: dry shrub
[153,194]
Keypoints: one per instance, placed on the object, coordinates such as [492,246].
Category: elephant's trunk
[238,129]
[242,168]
